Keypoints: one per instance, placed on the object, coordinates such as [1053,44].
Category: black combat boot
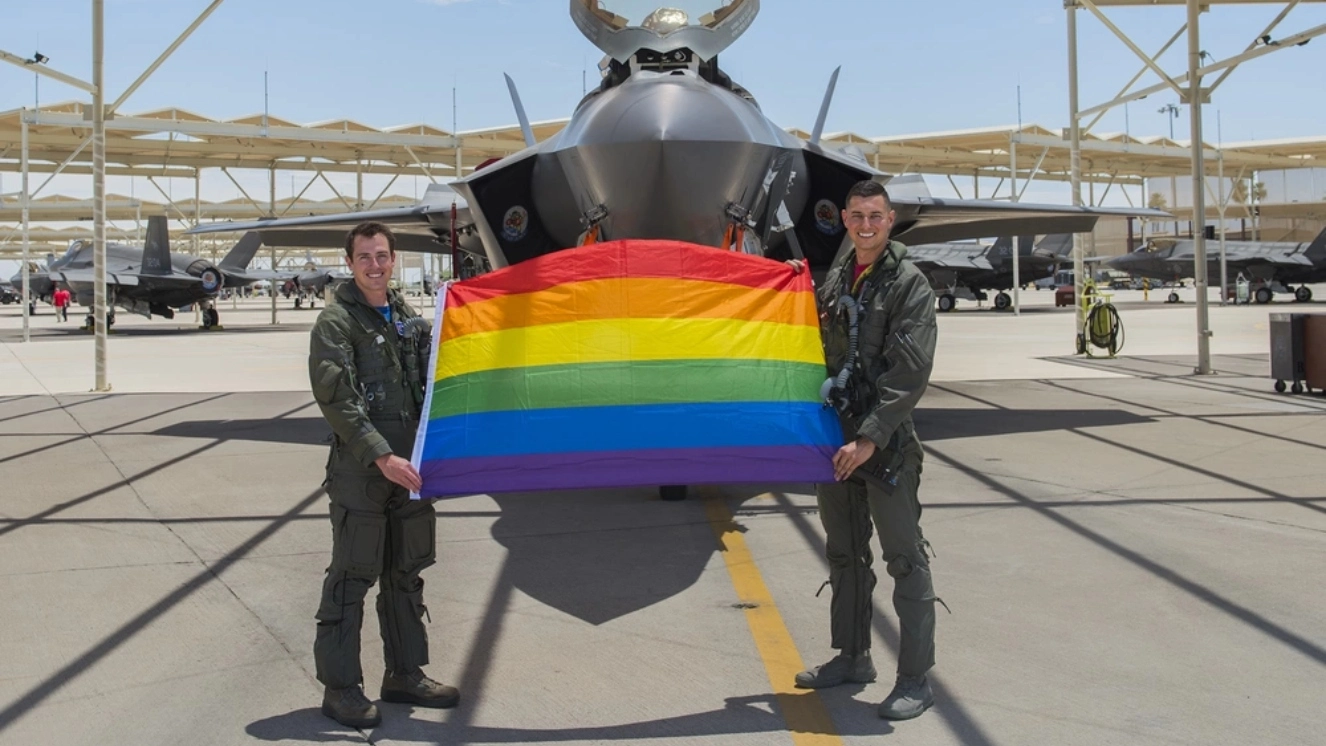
[417,689]
[841,669]
[350,707]
[910,697]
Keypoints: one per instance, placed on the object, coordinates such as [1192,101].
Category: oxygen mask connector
[834,392]
[835,396]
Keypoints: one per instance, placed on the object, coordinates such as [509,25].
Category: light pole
[1172,111]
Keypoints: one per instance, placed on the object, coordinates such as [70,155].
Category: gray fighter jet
[38,282]
[149,281]
[669,146]
[308,282]
[967,269]
[1268,265]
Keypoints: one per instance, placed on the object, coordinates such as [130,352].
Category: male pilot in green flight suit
[877,317]
[367,361]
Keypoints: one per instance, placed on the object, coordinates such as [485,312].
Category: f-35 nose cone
[698,147]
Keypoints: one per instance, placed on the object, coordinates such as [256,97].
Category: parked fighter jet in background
[668,146]
[38,282]
[967,269]
[150,280]
[1268,265]
[310,281]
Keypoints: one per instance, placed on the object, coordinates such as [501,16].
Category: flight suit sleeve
[909,348]
[331,365]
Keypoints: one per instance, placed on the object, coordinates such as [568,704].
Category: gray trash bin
[1287,359]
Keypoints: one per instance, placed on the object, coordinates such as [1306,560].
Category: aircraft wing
[923,219]
[926,261]
[1237,259]
[87,277]
[930,220]
[148,282]
[424,227]
[255,275]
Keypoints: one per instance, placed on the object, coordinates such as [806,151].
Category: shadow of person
[756,713]
[308,725]
[598,555]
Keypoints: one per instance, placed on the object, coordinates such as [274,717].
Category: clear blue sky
[908,67]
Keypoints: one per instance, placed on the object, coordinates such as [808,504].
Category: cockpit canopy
[623,27]
[76,248]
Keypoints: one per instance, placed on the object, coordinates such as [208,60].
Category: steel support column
[271,183]
[359,184]
[27,246]
[197,210]
[1198,186]
[99,312]
[1075,173]
[1223,201]
[1017,244]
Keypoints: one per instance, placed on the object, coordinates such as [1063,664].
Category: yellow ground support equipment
[1103,329]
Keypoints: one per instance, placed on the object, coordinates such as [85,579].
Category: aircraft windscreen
[72,251]
[664,19]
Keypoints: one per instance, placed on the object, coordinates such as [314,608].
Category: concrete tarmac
[1132,554]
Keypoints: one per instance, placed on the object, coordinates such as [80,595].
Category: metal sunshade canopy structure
[176,142]
[1194,89]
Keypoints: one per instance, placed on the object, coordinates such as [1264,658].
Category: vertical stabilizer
[238,258]
[525,128]
[824,108]
[1317,249]
[1056,244]
[156,249]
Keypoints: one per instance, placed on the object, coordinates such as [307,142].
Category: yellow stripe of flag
[614,340]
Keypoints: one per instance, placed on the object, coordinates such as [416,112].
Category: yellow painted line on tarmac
[806,716]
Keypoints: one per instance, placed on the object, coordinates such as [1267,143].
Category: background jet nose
[1121,263]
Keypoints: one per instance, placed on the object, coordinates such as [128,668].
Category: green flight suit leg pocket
[412,535]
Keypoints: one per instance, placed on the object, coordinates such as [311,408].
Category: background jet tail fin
[1057,244]
[243,252]
[156,249]
[1317,249]
[1003,246]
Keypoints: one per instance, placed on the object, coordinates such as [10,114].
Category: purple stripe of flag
[588,470]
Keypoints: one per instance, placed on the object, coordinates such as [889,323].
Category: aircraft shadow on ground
[602,554]
[950,424]
[293,430]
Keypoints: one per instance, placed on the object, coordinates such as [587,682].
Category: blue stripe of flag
[635,427]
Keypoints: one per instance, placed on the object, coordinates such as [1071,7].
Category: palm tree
[1239,194]
[1158,202]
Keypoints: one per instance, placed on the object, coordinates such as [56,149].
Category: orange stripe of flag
[630,298]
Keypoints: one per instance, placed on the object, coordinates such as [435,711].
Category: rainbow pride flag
[626,363]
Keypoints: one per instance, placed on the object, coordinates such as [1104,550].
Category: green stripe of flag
[626,383]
